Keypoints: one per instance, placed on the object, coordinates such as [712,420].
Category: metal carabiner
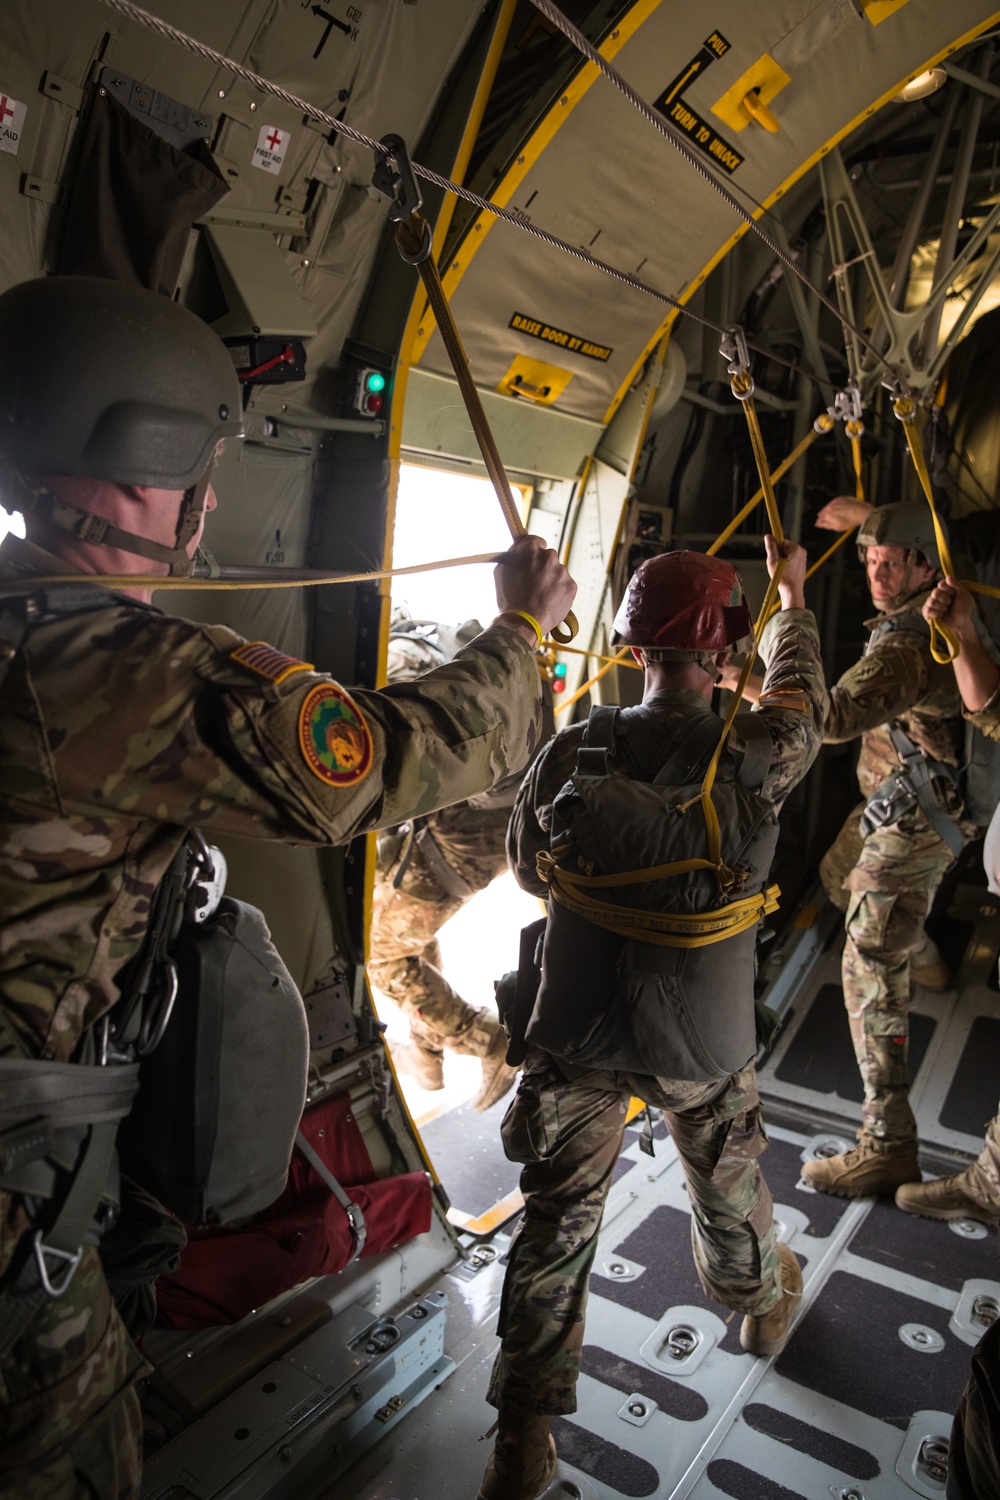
[69,1259]
[734,351]
[394,178]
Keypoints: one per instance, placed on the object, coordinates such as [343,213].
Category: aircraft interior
[630,205]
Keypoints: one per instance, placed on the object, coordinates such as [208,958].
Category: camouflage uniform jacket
[792,702]
[121,727]
[897,678]
[987,718]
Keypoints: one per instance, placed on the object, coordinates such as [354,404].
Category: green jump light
[375,382]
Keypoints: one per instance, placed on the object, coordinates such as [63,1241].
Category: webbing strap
[943,654]
[355,1216]
[48,1269]
[665,929]
[920,774]
[447,878]
[413,239]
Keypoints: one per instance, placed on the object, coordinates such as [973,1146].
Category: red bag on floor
[228,1271]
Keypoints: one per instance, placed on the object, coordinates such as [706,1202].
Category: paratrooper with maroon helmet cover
[614,1015]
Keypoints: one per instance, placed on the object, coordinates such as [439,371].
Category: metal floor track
[860,1401]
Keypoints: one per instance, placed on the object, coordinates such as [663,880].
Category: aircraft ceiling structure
[596,174]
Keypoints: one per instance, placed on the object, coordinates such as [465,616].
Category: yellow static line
[635,1107]
[542,136]
[779,192]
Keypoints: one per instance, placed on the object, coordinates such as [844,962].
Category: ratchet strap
[355,1217]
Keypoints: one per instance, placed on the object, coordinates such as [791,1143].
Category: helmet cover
[905,523]
[684,601]
[111,381]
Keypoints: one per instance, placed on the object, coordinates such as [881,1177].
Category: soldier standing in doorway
[428,870]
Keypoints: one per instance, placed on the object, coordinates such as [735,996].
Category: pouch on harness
[655,974]
[915,784]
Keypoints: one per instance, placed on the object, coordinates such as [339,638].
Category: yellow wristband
[522,614]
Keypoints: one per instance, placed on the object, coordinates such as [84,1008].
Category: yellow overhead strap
[414,241]
[906,410]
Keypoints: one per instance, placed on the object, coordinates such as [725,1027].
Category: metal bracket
[394,178]
[734,351]
[69,1260]
[843,212]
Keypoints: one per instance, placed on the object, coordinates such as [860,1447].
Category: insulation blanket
[226,1272]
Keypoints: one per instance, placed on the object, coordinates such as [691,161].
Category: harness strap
[48,1268]
[448,879]
[667,930]
[355,1217]
[758,747]
[13,629]
[920,770]
[64,1093]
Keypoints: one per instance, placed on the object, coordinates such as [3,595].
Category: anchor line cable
[256,81]
[662,127]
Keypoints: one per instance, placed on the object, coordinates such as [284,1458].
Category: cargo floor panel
[670,1407]
[468,1156]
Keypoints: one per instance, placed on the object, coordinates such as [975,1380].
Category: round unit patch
[334,737]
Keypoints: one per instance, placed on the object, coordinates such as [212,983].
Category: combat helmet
[906,524]
[685,606]
[110,381]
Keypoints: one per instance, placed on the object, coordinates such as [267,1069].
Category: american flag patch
[263,659]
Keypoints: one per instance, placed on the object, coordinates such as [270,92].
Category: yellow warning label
[672,104]
[571,342]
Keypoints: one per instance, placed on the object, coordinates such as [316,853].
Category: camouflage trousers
[983,1176]
[885,883]
[974,1452]
[70,1424]
[568,1133]
[405,964]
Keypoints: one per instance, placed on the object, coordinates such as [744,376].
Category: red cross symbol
[4,109]
[273,140]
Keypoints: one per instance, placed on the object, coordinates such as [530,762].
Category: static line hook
[734,351]
[394,177]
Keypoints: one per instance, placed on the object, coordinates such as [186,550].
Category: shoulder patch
[266,661]
[334,737]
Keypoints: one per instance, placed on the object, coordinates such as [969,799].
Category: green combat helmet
[111,382]
[906,524]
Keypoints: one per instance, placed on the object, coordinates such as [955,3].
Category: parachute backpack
[660,847]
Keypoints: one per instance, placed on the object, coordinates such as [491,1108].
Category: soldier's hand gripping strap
[42,1106]
[356,1219]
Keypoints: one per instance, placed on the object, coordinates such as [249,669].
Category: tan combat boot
[928,968]
[768,1334]
[523,1460]
[424,1064]
[946,1198]
[497,1076]
[871,1167]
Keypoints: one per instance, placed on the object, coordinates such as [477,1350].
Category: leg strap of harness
[48,1268]
[919,772]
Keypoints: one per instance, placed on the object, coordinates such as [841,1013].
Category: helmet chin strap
[99,532]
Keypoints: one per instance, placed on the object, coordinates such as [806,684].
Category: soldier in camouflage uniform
[121,728]
[427,871]
[974,1193]
[885,877]
[567,1122]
